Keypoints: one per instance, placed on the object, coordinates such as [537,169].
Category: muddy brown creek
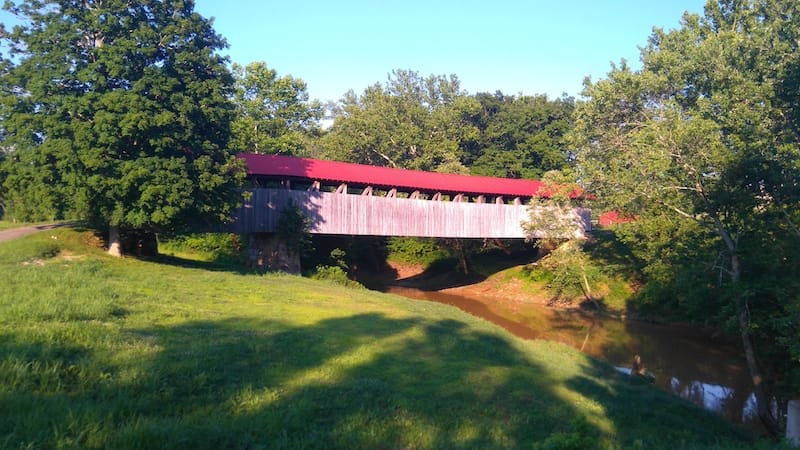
[686,362]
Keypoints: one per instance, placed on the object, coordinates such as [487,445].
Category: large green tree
[118,113]
[274,114]
[702,145]
[520,136]
[412,122]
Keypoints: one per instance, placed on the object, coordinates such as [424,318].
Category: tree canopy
[430,123]
[273,114]
[701,145]
[117,113]
[410,122]
[519,136]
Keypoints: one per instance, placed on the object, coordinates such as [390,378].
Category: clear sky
[516,46]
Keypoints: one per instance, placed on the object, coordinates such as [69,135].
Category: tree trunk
[464,260]
[748,345]
[114,243]
[756,375]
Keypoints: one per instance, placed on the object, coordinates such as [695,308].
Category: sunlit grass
[97,352]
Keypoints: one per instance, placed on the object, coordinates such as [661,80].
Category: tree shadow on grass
[661,420]
[362,381]
[211,266]
[366,381]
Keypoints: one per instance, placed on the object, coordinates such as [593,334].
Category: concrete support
[793,423]
[268,252]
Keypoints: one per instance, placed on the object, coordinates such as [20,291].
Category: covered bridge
[355,199]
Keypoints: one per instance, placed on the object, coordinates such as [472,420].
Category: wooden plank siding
[367,215]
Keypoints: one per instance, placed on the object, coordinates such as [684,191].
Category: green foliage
[570,271]
[422,251]
[519,136]
[561,230]
[334,274]
[293,228]
[581,438]
[117,114]
[219,247]
[339,258]
[274,114]
[429,123]
[352,253]
[611,271]
[411,122]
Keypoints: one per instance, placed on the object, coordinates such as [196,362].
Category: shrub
[334,274]
[416,251]
[214,246]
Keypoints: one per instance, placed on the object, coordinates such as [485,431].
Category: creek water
[697,366]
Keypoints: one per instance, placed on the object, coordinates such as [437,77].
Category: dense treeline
[128,118]
[430,123]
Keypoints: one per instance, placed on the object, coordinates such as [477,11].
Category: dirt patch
[502,288]
[406,270]
[505,289]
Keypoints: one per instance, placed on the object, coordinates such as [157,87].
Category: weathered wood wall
[349,214]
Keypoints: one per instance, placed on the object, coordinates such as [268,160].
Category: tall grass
[97,352]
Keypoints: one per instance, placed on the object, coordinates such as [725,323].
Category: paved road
[7,235]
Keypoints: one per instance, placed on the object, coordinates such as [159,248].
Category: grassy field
[97,352]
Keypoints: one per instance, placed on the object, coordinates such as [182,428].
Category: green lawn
[97,352]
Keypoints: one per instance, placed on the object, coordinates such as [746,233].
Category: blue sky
[516,46]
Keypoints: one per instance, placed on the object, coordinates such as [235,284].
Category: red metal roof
[386,177]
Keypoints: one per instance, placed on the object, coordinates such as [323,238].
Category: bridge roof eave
[387,178]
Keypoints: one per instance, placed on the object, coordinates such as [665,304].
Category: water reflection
[720,399]
[686,362]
